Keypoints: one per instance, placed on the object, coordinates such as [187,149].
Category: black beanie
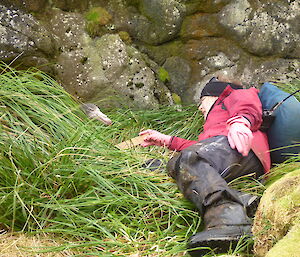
[215,88]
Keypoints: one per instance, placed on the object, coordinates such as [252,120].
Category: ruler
[131,142]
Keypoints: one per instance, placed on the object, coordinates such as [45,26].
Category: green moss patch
[176,98]
[163,75]
[278,212]
[97,17]
[288,246]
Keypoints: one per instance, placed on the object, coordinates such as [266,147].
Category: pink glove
[239,134]
[155,138]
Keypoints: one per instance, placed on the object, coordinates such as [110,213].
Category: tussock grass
[61,174]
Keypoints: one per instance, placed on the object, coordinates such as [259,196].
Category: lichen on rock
[251,41]
[22,34]
[262,30]
[159,21]
[104,70]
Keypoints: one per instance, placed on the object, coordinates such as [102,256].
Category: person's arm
[159,139]
[155,138]
[245,103]
[178,144]
[245,112]
[239,134]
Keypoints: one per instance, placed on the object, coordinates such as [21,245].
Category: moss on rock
[288,246]
[124,35]
[96,17]
[163,74]
[176,99]
[277,213]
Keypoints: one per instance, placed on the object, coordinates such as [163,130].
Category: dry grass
[22,245]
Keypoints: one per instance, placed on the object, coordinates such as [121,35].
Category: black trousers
[203,170]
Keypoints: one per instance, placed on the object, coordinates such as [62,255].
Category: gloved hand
[239,134]
[155,138]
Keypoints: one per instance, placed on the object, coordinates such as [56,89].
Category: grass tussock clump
[62,175]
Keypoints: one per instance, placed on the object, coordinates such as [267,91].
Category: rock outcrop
[23,38]
[98,49]
[104,69]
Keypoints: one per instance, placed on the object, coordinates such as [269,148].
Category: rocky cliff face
[113,51]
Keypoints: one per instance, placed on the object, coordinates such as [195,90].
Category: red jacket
[231,103]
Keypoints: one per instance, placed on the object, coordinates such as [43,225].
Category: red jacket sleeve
[178,144]
[245,102]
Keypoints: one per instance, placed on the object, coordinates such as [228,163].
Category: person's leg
[231,165]
[197,173]
[217,153]
[249,165]
[198,180]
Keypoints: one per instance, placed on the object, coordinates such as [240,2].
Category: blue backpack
[281,122]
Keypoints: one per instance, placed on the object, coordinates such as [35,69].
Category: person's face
[205,104]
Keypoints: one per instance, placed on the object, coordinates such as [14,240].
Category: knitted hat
[215,87]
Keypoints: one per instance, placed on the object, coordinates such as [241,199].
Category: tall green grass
[61,173]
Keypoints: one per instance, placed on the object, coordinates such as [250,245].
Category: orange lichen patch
[200,25]
[22,245]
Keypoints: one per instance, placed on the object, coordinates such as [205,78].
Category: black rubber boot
[226,223]
[249,201]
[196,171]
[154,165]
